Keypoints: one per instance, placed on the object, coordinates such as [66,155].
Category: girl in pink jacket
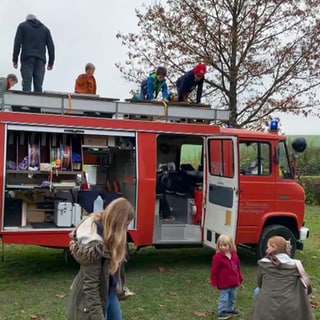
[226,275]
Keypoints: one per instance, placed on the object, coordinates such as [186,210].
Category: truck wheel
[275,230]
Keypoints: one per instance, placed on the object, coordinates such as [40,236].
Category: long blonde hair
[279,245]
[226,240]
[114,220]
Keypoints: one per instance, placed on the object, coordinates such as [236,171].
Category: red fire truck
[60,152]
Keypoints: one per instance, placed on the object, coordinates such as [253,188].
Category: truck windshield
[285,170]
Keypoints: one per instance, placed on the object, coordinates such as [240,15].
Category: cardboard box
[45,166]
[36,216]
[94,140]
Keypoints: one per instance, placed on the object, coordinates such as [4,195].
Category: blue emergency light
[274,125]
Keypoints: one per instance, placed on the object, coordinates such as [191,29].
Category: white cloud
[291,124]
[83,31]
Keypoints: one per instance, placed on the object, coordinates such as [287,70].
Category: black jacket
[32,37]
[186,83]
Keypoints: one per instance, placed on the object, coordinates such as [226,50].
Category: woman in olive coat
[99,245]
[281,294]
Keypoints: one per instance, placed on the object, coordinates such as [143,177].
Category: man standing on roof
[189,81]
[32,38]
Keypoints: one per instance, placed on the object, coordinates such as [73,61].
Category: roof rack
[95,106]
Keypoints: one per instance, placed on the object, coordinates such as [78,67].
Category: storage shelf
[19,186]
[43,172]
[25,186]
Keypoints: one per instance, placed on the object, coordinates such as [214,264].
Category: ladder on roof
[95,106]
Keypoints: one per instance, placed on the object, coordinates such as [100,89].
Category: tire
[275,230]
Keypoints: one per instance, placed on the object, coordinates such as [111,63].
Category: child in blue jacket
[189,81]
[155,83]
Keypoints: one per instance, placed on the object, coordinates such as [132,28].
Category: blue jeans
[32,69]
[227,300]
[113,307]
[143,90]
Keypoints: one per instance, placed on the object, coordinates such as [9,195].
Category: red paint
[2,165]
[260,194]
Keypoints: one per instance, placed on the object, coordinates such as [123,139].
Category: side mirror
[299,144]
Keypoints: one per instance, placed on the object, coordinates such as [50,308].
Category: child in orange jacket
[86,82]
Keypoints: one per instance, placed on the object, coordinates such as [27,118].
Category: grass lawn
[169,284]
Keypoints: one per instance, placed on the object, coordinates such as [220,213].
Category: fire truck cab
[59,153]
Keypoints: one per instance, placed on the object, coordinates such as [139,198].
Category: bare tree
[262,55]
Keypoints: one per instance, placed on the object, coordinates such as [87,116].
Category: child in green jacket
[155,83]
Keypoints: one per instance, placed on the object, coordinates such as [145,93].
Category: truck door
[221,188]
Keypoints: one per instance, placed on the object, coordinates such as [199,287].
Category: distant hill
[312,140]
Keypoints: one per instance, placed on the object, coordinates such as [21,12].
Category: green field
[169,284]
[312,140]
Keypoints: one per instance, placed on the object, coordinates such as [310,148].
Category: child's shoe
[224,316]
[234,312]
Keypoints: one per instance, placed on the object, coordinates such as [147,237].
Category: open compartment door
[222,188]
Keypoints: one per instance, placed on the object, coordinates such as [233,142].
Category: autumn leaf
[173,293]
[60,295]
[201,313]
[33,316]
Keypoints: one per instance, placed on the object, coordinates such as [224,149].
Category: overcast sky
[85,31]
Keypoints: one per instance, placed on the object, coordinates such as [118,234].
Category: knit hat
[199,70]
